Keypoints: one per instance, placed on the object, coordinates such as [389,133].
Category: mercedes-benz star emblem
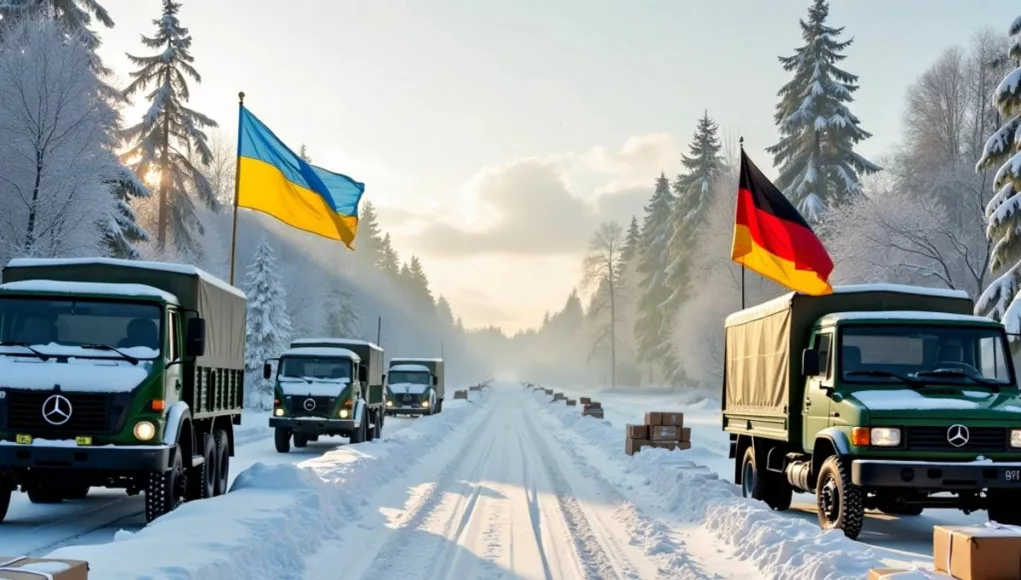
[57,410]
[309,404]
[958,435]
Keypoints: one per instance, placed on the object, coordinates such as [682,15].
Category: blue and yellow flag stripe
[276,181]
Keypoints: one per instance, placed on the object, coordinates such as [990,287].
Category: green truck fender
[836,439]
[177,416]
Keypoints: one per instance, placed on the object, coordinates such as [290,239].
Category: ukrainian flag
[272,179]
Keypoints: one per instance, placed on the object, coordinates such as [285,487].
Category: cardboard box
[584,400]
[673,419]
[24,568]
[653,418]
[665,433]
[571,402]
[906,574]
[460,394]
[589,412]
[638,432]
[672,445]
[632,446]
[989,552]
[593,405]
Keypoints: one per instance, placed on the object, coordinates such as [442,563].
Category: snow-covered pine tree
[693,190]
[75,16]
[389,262]
[651,331]
[634,235]
[170,132]
[123,230]
[818,165]
[369,239]
[341,317]
[268,328]
[422,297]
[1002,298]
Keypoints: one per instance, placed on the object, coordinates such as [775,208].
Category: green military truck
[880,397]
[327,386]
[416,386]
[118,374]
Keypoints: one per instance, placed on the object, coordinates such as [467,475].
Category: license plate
[83,440]
[23,439]
[1013,475]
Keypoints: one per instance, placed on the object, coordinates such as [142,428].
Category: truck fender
[359,411]
[828,442]
[179,412]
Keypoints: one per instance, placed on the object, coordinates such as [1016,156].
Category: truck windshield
[310,368]
[412,377]
[926,354]
[80,328]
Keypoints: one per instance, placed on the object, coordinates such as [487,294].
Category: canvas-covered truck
[880,397]
[416,386]
[118,374]
[327,386]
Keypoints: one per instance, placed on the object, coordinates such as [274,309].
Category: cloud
[551,205]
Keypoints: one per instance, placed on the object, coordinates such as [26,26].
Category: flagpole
[237,186]
[741,143]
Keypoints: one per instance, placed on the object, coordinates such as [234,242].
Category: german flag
[772,239]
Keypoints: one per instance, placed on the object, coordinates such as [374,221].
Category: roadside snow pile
[274,515]
[781,547]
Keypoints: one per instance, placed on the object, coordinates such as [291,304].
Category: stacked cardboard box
[549,392]
[559,397]
[592,409]
[663,430]
[25,568]
[584,401]
[988,552]
[460,394]
[571,402]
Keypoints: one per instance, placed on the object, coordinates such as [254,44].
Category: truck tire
[763,485]
[439,405]
[202,479]
[165,491]
[838,500]
[370,432]
[282,440]
[1003,507]
[361,433]
[44,495]
[221,446]
[377,427]
[300,441]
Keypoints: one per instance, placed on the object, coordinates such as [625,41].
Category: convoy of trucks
[118,374]
[881,397]
[416,386]
[327,386]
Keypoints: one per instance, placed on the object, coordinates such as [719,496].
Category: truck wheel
[439,406]
[300,440]
[370,432]
[1003,508]
[202,479]
[359,435]
[378,427]
[839,501]
[282,439]
[763,485]
[221,445]
[44,495]
[165,491]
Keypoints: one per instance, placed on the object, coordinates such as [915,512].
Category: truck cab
[411,388]
[895,399]
[323,388]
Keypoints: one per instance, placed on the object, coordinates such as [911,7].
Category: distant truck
[416,386]
[874,397]
[327,386]
[118,374]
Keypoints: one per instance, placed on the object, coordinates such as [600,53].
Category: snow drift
[274,515]
[783,548]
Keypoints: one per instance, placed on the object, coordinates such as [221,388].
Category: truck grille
[90,414]
[981,439]
[323,406]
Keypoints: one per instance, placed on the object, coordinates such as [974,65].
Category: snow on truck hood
[408,388]
[312,387]
[77,375]
[962,403]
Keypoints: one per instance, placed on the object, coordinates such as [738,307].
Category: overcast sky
[494,134]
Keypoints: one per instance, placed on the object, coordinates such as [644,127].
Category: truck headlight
[144,430]
[344,413]
[885,437]
[425,404]
[389,403]
[1015,437]
[278,412]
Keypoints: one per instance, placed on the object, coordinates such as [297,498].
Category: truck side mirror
[363,374]
[383,379]
[810,362]
[435,381]
[195,342]
[267,371]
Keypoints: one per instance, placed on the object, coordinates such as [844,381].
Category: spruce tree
[369,239]
[170,132]
[693,190]
[1002,299]
[419,286]
[818,166]
[341,317]
[124,231]
[651,331]
[75,15]
[268,328]
[634,234]
[389,262]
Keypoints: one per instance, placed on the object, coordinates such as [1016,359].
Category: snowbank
[782,547]
[274,515]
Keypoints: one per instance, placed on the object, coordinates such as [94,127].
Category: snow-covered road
[37,529]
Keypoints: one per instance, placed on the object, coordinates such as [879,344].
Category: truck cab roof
[323,352]
[103,289]
[410,368]
[905,316]
[330,342]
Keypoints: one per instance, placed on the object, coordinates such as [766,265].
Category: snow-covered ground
[504,485]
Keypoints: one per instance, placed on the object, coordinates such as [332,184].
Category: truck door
[815,413]
[173,350]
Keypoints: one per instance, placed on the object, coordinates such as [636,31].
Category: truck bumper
[314,425]
[938,475]
[407,411]
[149,458]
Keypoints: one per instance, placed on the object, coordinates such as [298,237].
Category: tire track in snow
[534,513]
